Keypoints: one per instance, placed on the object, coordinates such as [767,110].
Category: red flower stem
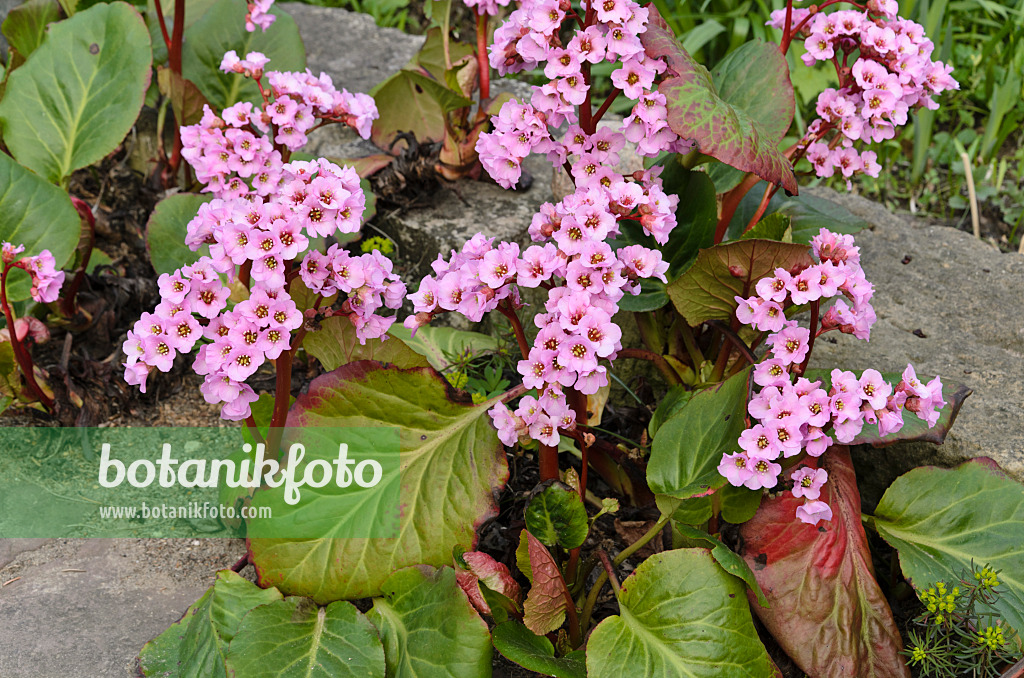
[810,344]
[787,32]
[174,62]
[163,24]
[250,422]
[578,402]
[282,394]
[21,355]
[731,202]
[547,463]
[517,328]
[610,570]
[481,57]
[604,107]
[658,360]
[769,191]
[67,301]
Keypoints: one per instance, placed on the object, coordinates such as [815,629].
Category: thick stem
[769,191]
[254,430]
[517,328]
[609,570]
[174,62]
[163,24]
[604,107]
[481,57]
[578,403]
[548,463]
[658,360]
[696,357]
[282,394]
[21,355]
[67,302]
[240,565]
[729,334]
[787,31]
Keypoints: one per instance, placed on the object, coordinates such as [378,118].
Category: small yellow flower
[992,636]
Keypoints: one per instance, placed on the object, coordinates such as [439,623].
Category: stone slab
[83,608]
[967,299]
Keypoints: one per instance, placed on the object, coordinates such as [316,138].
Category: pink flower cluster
[258,14]
[46,278]
[234,154]
[486,6]
[802,416]
[530,38]
[893,75]
[259,225]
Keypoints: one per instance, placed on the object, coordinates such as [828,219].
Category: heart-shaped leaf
[486,581]
[536,653]
[441,345]
[295,637]
[688,447]
[680,615]
[730,561]
[827,611]
[943,520]
[914,428]
[335,344]
[761,67]
[198,644]
[429,628]
[405,106]
[544,609]
[721,129]
[25,25]
[79,93]
[35,214]
[222,28]
[707,290]
[556,516]
[809,214]
[166,230]
[452,463]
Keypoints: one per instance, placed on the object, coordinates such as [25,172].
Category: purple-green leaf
[723,130]
[544,609]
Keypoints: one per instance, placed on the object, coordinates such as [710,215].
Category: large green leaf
[809,214]
[827,611]
[943,520]
[730,561]
[760,67]
[914,428]
[680,615]
[688,447]
[556,516]
[35,214]
[335,344]
[405,106]
[295,637]
[429,628]
[723,130]
[452,463]
[25,25]
[166,229]
[672,402]
[79,93]
[198,644]
[707,290]
[536,653]
[222,28]
[440,345]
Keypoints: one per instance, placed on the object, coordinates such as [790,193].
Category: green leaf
[166,230]
[688,447]
[10,382]
[679,615]
[914,428]
[405,106]
[294,637]
[809,214]
[221,29]
[335,344]
[775,226]
[25,25]
[707,290]
[194,10]
[440,344]
[721,129]
[652,297]
[452,463]
[736,505]
[187,101]
[730,561]
[544,609]
[536,653]
[827,611]
[943,520]
[760,67]
[431,56]
[79,93]
[447,99]
[39,216]
[429,628]
[673,401]
[556,516]
[198,643]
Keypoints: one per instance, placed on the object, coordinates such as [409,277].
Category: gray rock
[83,608]
[5,7]
[965,297]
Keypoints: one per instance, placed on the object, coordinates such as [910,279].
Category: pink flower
[812,512]
[736,468]
[807,482]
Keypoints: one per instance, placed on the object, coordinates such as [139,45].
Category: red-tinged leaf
[186,100]
[697,111]
[485,570]
[827,611]
[544,610]
[707,290]
[366,166]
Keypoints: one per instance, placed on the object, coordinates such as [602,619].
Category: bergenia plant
[745,455]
